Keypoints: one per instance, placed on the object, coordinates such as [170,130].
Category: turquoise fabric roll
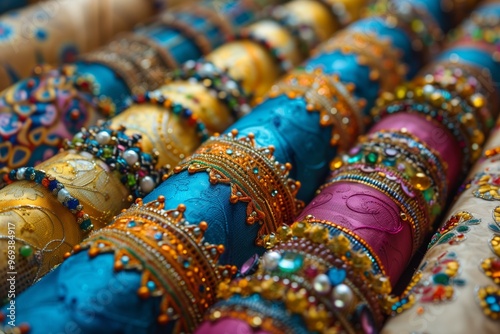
[81,292]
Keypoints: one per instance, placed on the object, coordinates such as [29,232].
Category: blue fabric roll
[281,121]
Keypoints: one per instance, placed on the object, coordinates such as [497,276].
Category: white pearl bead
[271,260]
[147,184]
[62,195]
[342,296]
[131,157]
[322,284]
[20,173]
[103,137]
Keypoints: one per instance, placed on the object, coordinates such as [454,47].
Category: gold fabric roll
[56,31]
[37,221]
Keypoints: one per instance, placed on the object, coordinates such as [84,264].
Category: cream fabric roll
[459,291]
[55,31]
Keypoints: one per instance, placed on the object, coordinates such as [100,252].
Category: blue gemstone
[131,224]
[72,203]
[28,172]
[151,285]
[12,175]
[86,224]
[495,308]
[290,262]
[39,176]
[491,300]
[188,112]
[201,288]
[186,264]
[53,185]
[336,276]
[125,259]
[158,235]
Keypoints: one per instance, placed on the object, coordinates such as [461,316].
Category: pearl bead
[271,260]
[321,284]
[131,157]
[147,184]
[103,137]
[20,173]
[62,195]
[342,296]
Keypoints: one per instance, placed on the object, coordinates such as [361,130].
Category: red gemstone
[495,265]
[311,272]
[496,181]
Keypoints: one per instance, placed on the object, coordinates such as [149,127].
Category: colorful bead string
[122,153]
[177,108]
[277,54]
[219,81]
[56,188]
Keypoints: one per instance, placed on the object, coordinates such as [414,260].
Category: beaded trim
[372,51]
[427,36]
[304,33]
[454,102]
[331,98]
[304,269]
[123,154]
[170,20]
[218,81]
[253,175]
[157,98]
[139,61]
[167,250]
[56,188]
[278,54]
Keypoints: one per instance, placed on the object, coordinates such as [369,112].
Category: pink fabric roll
[433,134]
[372,216]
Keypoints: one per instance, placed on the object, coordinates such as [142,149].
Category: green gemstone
[290,262]
[371,157]
[441,278]
[86,225]
[131,181]
[107,152]
[463,229]
[428,194]
[26,250]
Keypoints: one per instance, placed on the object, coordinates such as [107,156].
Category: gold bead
[420,181]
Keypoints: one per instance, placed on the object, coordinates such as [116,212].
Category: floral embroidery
[453,231]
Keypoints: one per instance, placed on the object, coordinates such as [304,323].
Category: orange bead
[143,292]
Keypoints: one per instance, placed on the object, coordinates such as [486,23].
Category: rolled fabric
[56,32]
[104,168]
[334,268]
[14,4]
[458,278]
[39,113]
[238,182]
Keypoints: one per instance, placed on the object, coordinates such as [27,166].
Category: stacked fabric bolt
[104,168]
[56,32]
[333,270]
[234,188]
[38,113]
[456,288]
